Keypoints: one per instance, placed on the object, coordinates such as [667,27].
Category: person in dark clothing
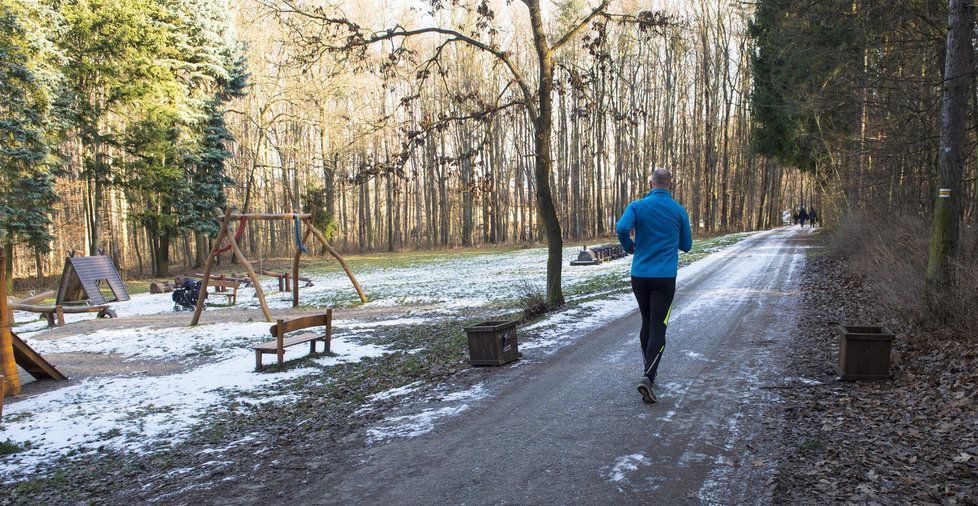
[813,216]
[802,216]
[661,229]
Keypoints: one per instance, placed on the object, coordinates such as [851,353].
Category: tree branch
[502,56]
[599,10]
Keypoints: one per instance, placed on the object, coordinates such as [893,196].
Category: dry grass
[532,301]
[890,254]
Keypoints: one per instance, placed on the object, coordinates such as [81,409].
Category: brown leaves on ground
[910,440]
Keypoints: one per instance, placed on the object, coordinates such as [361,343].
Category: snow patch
[132,413]
[414,425]
[566,325]
[625,465]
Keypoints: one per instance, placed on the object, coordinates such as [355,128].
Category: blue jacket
[661,230]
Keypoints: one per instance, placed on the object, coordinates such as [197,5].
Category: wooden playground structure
[79,291]
[299,220]
[14,351]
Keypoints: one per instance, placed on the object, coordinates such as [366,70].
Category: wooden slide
[33,362]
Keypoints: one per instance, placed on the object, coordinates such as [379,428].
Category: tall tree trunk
[958,66]
[544,164]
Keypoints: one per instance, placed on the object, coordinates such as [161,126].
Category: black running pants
[654,296]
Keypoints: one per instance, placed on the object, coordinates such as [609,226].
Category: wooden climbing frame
[226,217]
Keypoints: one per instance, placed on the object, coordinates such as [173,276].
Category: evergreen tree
[118,61]
[26,135]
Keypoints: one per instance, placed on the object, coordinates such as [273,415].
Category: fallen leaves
[910,440]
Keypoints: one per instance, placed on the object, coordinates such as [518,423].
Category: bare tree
[338,34]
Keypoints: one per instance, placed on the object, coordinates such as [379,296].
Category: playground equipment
[83,278]
[14,351]
[285,280]
[79,291]
[32,361]
[307,219]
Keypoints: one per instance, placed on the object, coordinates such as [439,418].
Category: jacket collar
[658,191]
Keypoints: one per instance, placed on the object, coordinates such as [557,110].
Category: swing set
[307,219]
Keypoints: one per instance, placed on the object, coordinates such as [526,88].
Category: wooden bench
[283,327]
[222,287]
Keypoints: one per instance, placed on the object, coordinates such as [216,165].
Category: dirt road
[572,428]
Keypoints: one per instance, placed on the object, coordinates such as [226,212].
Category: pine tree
[26,163]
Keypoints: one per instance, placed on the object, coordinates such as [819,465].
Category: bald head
[660,179]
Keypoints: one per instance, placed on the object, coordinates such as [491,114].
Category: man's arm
[624,229]
[685,234]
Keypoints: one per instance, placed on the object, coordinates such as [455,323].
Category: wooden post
[254,277]
[207,267]
[349,273]
[280,341]
[329,329]
[7,360]
[295,261]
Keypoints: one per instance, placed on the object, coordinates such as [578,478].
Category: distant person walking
[802,216]
[812,216]
[661,229]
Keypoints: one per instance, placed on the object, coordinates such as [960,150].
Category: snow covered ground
[133,412]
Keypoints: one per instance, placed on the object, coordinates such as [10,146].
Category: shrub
[532,300]
[890,254]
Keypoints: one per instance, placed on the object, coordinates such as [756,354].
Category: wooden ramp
[33,362]
[81,277]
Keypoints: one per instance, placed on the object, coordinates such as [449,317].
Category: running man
[661,229]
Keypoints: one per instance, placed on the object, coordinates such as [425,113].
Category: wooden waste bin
[864,352]
[492,343]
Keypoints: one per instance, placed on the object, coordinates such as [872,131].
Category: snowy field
[134,412]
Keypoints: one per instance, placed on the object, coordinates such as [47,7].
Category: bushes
[532,300]
[890,254]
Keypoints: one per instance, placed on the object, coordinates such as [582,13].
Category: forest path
[572,428]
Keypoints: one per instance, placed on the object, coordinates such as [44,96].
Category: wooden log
[232,277]
[35,298]
[29,300]
[36,308]
[207,267]
[8,363]
[349,273]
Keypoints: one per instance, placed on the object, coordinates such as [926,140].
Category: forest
[131,121]
[448,160]
[418,144]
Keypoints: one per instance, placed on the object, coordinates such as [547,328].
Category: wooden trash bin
[493,343]
[864,352]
